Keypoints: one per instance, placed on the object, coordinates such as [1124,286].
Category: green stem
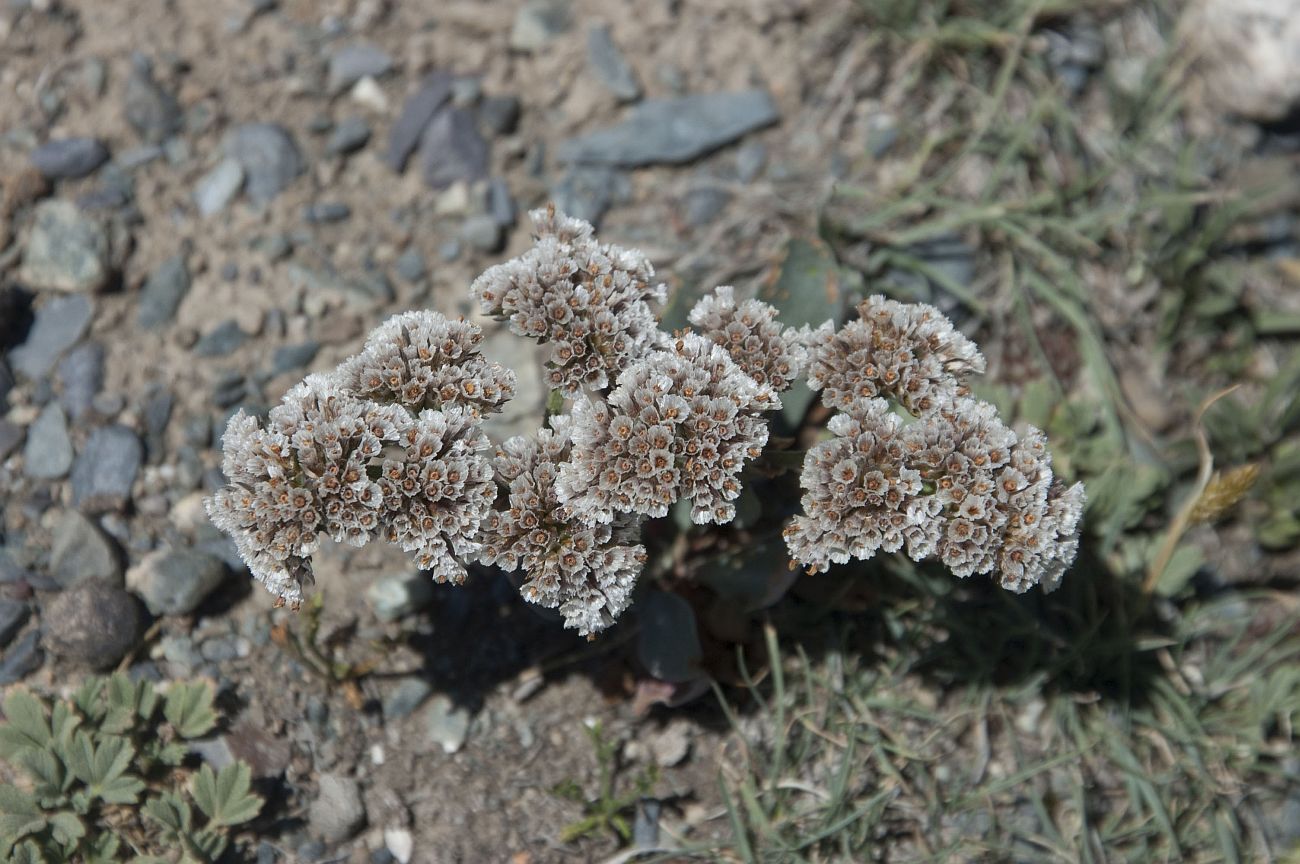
[554,403]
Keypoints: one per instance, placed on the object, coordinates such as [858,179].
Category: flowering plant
[391,443]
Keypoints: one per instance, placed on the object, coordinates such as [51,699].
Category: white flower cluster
[749,332]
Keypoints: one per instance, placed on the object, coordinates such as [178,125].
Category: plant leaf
[19,816]
[188,708]
[209,842]
[668,643]
[170,812]
[225,797]
[87,698]
[47,772]
[27,728]
[67,828]
[26,853]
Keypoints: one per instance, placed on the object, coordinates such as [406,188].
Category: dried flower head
[766,351]
[585,571]
[680,424]
[905,351]
[955,484]
[304,474]
[425,360]
[437,489]
[589,300]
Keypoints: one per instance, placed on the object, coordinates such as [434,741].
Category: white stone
[1250,54]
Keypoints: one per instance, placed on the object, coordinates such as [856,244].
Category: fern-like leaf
[188,708]
[103,768]
[225,797]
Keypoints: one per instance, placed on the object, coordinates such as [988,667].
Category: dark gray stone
[157,411]
[11,435]
[22,659]
[153,112]
[175,581]
[374,285]
[501,204]
[291,358]
[354,61]
[499,114]
[106,468]
[65,158]
[452,149]
[13,615]
[268,155]
[411,266]
[94,623]
[216,188]
[673,130]
[586,192]
[348,137]
[67,249]
[81,374]
[163,292]
[59,323]
[221,340]
[7,382]
[538,22]
[80,551]
[482,233]
[419,109]
[327,211]
[609,64]
[48,454]
[405,697]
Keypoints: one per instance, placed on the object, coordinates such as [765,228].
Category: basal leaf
[188,708]
[668,643]
[124,789]
[46,771]
[25,726]
[87,698]
[225,797]
[170,812]
[66,828]
[102,849]
[26,852]
[63,722]
[209,842]
[79,756]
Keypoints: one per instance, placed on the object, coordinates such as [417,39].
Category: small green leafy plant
[106,778]
[606,811]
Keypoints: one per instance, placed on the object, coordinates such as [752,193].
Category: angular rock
[66,158]
[291,358]
[405,698]
[94,623]
[67,250]
[11,435]
[673,130]
[326,212]
[106,469]
[153,112]
[348,136]
[216,188]
[13,615]
[22,659]
[269,157]
[452,149]
[481,232]
[538,22]
[81,552]
[586,192]
[48,453]
[392,597]
[175,581]
[354,61]
[446,725]
[338,812]
[157,411]
[419,109]
[163,292]
[59,323]
[500,114]
[81,374]
[1247,52]
[609,64]
[501,204]
[220,340]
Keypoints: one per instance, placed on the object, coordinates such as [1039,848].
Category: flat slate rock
[152,111]
[48,454]
[81,375]
[106,468]
[419,109]
[451,149]
[354,61]
[609,64]
[67,158]
[163,292]
[80,552]
[59,324]
[66,251]
[269,157]
[23,658]
[673,130]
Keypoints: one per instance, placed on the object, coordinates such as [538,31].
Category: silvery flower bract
[751,335]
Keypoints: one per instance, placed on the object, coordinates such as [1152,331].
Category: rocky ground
[202,202]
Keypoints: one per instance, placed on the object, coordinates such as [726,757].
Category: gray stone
[327,211]
[337,812]
[175,581]
[411,266]
[11,435]
[538,22]
[405,697]
[499,114]
[136,157]
[59,323]
[269,157]
[673,130]
[221,340]
[452,149]
[705,200]
[223,649]
[419,109]
[216,188]
[348,137]
[354,61]
[750,159]
[153,112]
[94,623]
[67,249]
[179,650]
[157,413]
[609,64]
[108,404]
[22,659]
[80,552]
[586,192]
[13,615]
[106,469]
[645,824]
[501,204]
[395,596]
[48,454]
[276,247]
[449,250]
[65,158]
[466,91]
[291,358]
[163,292]
[481,232]
[81,374]
[7,382]
[445,724]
